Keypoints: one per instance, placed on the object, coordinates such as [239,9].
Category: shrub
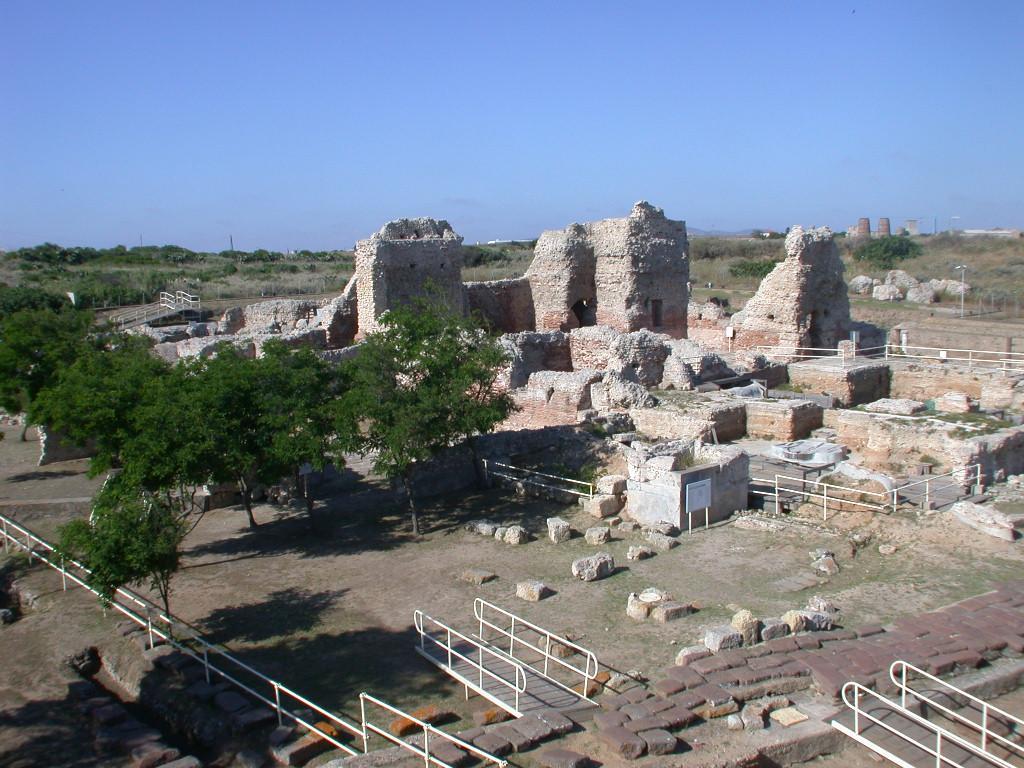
[885,252]
[758,268]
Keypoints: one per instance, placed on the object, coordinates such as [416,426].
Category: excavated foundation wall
[695,421]
[505,306]
[855,385]
[995,389]
[782,420]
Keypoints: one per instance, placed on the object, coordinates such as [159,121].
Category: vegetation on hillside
[886,252]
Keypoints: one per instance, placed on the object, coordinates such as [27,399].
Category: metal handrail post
[426,747]
[6,543]
[856,710]
[984,726]
[206,663]
[277,703]
[824,504]
[366,732]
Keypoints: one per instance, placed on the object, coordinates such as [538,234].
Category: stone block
[748,626]
[594,567]
[610,719]
[230,702]
[670,610]
[611,485]
[248,719]
[184,762]
[639,552]
[661,542]
[773,628]
[520,742]
[556,757]
[152,754]
[476,576]
[691,653]
[532,591]
[658,741]
[490,716]
[721,638]
[532,727]
[556,721]
[558,530]
[604,505]
[788,716]
[795,620]
[516,534]
[598,535]
[493,743]
[624,743]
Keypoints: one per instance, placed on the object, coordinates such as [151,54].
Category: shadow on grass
[53,734]
[332,669]
[43,474]
[284,612]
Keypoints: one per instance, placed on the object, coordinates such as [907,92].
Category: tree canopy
[885,252]
[423,382]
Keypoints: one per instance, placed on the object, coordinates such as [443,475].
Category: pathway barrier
[167,304]
[905,677]
[538,479]
[547,646]
[980,358]
[431,736]
[216,659]
[933,486]
[462,656]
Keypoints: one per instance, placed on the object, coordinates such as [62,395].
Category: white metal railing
[548,639]
[969,476]
[514,687]
[985,358]
[820,490]
[939,738]
[898,673]
[823,354]
[428,731]
[179,634]
[527,476]
[166,304]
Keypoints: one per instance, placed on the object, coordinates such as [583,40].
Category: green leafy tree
[423,382]
[269,416]
[885,252]
[131,538]
[34,346]
[95,398]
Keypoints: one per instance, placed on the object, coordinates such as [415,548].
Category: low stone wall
[670,421]
[54,447]
[1000,454]
[551,398]
[504,305]
[782,420]
[924,382]
[854,385]
[886,442]
[531,352]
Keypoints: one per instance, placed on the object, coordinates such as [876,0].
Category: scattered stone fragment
[817,621]
[153,754]
[558,530]
[516,534]
[184,762]
[721,638]
[532,727]
[661,542]
[895,406]
[788,716]
[691,653]
[795,620]
[594,567]
[639,552]
[556,721]
[734,722]
[302,750]
[493,743]
[887,549]
[519,741]
[532,591]
[230,702]
[611,485]
[773,628]
[747,625]
[481,527]
[476,576]
[499,532]
[670,610]
[598,535]
[604,505]
[629,526]
[752,719]
[822,605]
[826,566]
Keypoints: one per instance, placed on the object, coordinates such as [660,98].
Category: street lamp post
[963,272]
[952,224]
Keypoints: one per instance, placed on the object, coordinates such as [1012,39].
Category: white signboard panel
[698,496]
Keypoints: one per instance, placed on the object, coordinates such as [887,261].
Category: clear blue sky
[310,124]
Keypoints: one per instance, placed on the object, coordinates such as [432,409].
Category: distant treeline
[50,253]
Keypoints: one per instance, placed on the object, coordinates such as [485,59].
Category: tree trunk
[24,429]
[307,496]
[406,481]
[247,500]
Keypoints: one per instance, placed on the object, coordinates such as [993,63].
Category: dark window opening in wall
[585,311]
[657,313]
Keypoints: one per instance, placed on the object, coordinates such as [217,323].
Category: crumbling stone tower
[803,302]
[406,259]
[628,274]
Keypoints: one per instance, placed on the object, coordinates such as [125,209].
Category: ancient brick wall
[924,382]
[591,347]
[505,306]
[628,274]
[782,420]
[803,302]
[406,259]
[533,351]
[673,422]
[855,385]
[551,398]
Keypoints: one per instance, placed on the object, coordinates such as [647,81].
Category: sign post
[698,496]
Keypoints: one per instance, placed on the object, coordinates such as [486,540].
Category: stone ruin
[627,274]
[801,304]
[406,259]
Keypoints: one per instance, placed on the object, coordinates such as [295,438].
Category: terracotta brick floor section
[962,636]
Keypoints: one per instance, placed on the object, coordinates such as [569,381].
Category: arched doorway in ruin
[585,312]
